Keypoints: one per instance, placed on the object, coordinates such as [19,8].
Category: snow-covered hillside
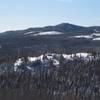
[94,36]
[43,33]
[48,33]
[83,36]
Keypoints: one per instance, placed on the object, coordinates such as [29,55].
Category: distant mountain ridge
[61,38]
[63,27]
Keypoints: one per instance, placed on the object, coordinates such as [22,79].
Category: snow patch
[68,57]
[83,36]
[82,54]
[55,62]
[45,59]
[96,39]
[33,59]
[17,63]
[48,33]
[29,33]
[95,34]
[71,56]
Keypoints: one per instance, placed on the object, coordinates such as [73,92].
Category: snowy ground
[45,59]
[94,36]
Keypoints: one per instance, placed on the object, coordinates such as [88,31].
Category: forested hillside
[51,77]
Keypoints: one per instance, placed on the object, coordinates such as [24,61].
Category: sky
[22,14]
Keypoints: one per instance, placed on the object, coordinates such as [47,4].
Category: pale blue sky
[21,14]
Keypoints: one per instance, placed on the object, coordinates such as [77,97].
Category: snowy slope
[83,36]
[94,36]
[48,33]
[97,39]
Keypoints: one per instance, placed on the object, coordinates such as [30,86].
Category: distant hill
[63,37]
[63,27]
